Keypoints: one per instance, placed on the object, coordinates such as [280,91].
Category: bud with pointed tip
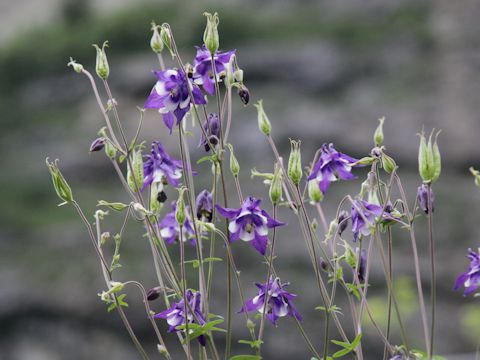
[234,166]
[263,122]
[180,212]
[378,135]
[153,293]
[156,42]
[61,186]
[295,172]
[101,67]
[244,94]
[76,66]
[429,161]
[342,220]
[97,145]
[314,192]
[275,191]
[210,36]
[166,36]
[388,163]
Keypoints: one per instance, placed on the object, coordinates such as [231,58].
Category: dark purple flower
[153,293]
[175,316]
[204,205]
[422,197]
[212,129]
[170,229]
[361,265]
[244,94]
[471,278]
[159,167]
[361,211]
[202,67]
[171,97]
[331,166]
[98,144]
[342,221]
[249,223]
[279,301]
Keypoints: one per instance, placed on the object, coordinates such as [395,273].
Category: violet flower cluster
[170,229]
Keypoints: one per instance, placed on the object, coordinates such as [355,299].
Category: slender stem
[390,275]
[184,290]
[433,285]
[307,340]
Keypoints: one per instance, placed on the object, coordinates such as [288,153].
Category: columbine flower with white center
[171,96]
[160,168]
[332,166]
[249,223]
[204,205]
[470,279]
[170,229]
[175,315]
[202,67]
[279,303]
[361,211]
[212,130]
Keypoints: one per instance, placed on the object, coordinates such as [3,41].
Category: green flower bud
[295,162]
[115,287]
[275,191]
[314,192]
[429,160]
[234,166]
[156,42]
[367,160]
[250,325]
[350,257]
[388,163]
[61,186]
[101,67]
[180,212]
[166,36]
[332,229]
[135,180]
[378,135]
[263,122]
[210,36]
[76,66]
[476,175]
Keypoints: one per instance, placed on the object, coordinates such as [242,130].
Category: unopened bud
[61,186]
[263,122]
[250,325]
[238,74]
[368,160]
[429,161]
[115,287]
[350,257]
[166,36]
[153,293]
[275,191]
[210,36]
[378,135]
[425,198]
[180,212]
[244,94]
[342,221]
[76,66]
[135,171]
[234,166]
[97,145]
[104,238]
[314,192]
[476,175]
[101,67]
[295,172]
[388,163]
[156,42]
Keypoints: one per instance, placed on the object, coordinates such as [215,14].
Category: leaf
[117,206]
[195,263]
[347,347]
[253,344]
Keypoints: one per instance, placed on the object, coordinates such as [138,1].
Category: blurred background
[327,70]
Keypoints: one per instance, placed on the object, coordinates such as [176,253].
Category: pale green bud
[156,42]
[180,212]
[350,257]
[104,238]
[210,36]
[115,287]
[295,172]
[166,36]
[476,175]
[429,160]
[314,192]
[61,186]
[332,229]
[135,180]
[268,177]
[378,135]
[110,149]
[238,74]
[367,160]
[388,163]
[76,66]
[263,122]
[234,166]
[275,191]
[101,67]
[250,325]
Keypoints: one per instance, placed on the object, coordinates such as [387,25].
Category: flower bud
[166,36]
[342,221]
[275,191]
[76,66]
[238,75]
[314,192]
[388,163]
[250,325]
[423,193]
[115,287]
[153,293]
[135,180]
[180,212]
[156,42]
[61,186]
[295,162]
[367,160]
[429,161]
[244,95]
[476,175]
[97,145]
[104,238]
[263,122]
[210,36]
[350,257]
[101,67]
[234,166]
[332,229]
[378,135]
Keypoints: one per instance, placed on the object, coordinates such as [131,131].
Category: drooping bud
[115,287]
[97,145]
[295,162]
[424,203]
[212,130]
[61,186]
[361,269]
[244,94]
[104,237]
[156,42]
[429,160]
[263,122]
[204,205]
[367,160]
[166,36]
[210,36]
[154,293]
[378,135]
[476,175]
[342,221]
[180,212]
[101,67]
[314,192]
[388,163]
[275,191]
[234,166]
[76,66]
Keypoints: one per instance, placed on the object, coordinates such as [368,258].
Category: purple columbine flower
[471,278]
[202,67]
[279,301]
[212,129]
[171,97]
[332,166]
[249,223]
[370,213]
[175,316]
[361,267]
[204,205]
[422,197]
[170,229]
[159,167]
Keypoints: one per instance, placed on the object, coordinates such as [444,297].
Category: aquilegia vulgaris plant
[340,251]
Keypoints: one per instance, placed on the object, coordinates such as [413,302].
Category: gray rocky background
[326,70]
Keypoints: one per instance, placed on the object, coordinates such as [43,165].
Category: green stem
[433,284]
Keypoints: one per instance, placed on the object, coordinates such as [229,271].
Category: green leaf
[246,357]
[117,206]
[195,263]
[253,344]
[347,347]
